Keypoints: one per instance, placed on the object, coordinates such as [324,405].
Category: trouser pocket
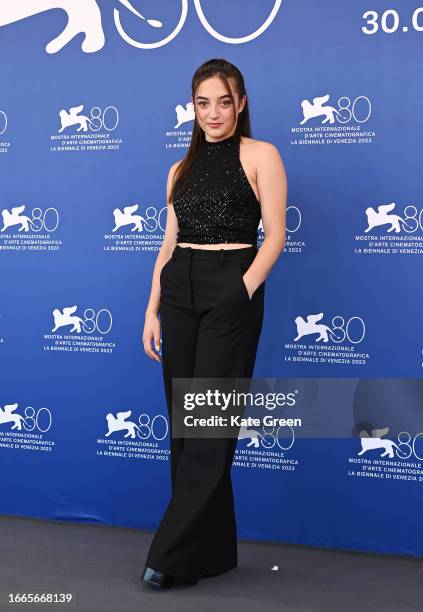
[243,267]
[164,270]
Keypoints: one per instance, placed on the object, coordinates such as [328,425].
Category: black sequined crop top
[216,202]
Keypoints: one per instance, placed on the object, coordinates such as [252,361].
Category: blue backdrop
[94,108]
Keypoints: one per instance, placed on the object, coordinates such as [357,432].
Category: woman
[208,287]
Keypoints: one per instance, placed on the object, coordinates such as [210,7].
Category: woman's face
[214,109]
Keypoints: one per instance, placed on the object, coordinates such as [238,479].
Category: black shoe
[156,578]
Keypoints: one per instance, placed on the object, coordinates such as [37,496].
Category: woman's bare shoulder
[171,176]
[174,166]
[257,145]
[259,148]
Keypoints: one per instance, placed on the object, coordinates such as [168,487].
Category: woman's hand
[151,332]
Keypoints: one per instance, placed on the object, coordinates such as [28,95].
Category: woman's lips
[214,124]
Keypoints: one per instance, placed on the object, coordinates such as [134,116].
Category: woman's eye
[224,103]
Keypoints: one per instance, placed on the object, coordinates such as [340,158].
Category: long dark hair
[224,70]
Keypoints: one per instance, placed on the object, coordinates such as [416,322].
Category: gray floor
[100,566]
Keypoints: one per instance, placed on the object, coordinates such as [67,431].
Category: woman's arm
[272,186]
[152,323]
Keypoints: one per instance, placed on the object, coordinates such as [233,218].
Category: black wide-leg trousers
[210,328]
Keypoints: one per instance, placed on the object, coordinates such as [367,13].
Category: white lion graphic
[128,218]
[72,118]
[118,423]
[64,318]
[184,114]
[14,217]
[381,217]
[6,416]
[84,16]
[253,434]
[370,442]
[305,328]
[316,108]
